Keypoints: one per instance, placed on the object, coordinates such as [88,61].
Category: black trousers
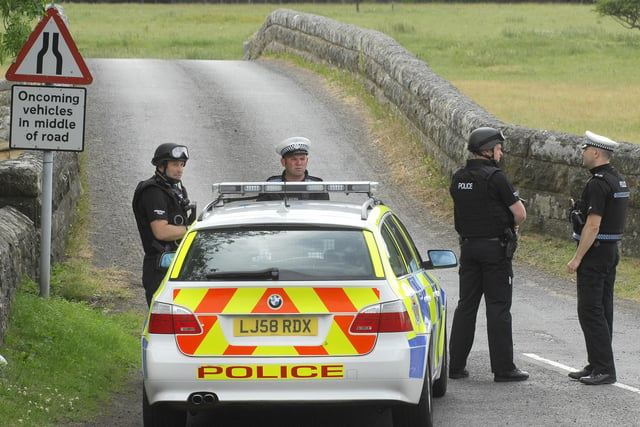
[484,270]
[152,275]
[595,279]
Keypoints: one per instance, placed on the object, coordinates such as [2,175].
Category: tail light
[171,319]
[388,317]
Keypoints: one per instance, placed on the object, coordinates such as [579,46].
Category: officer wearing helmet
[163,212]
[487,215]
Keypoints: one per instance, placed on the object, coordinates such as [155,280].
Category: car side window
[396,260]
[408,249]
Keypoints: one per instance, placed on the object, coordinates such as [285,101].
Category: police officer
[294,153]
[598,223]
[487,215]
[162,210]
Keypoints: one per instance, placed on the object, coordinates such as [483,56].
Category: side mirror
[439,258]
[165,259]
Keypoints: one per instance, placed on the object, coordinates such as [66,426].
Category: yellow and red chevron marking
[209,304]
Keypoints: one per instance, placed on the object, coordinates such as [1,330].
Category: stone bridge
[544,165]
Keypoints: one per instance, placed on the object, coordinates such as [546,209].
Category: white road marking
[569,369]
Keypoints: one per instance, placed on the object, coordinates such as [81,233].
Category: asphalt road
[230,113]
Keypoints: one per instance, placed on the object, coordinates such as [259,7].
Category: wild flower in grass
[77,398]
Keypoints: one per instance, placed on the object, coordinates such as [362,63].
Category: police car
[294,301]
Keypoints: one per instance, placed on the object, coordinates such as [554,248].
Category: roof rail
[275,187]
[243,191]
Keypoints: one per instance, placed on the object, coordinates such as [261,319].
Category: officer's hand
[572,266]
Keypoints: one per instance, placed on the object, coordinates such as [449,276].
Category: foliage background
[17,18]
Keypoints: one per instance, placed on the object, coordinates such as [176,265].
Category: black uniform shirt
[155,203]
[596,192]
[607,195]
[294,196]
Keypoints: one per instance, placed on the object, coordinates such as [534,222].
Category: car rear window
[277,253]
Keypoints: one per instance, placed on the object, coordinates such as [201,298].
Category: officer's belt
[497,239]
[605,238]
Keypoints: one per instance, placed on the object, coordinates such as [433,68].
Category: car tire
[440,385]
[161,414]
[420,415]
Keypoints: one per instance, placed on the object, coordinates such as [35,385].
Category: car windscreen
[277,253]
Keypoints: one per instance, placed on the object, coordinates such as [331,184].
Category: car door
[407,266]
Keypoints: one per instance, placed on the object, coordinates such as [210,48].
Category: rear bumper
[392,372]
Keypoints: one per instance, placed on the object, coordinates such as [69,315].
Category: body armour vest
[615,211]
[476,212]
[176,214]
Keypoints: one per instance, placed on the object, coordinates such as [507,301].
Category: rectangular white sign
[47,118]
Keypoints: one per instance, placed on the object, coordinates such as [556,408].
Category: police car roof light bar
[249,191]
[247,188]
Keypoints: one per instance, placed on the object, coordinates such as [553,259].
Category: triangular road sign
[50,56]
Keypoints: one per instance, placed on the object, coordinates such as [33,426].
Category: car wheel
[161,415]
[440,385]
[420,415]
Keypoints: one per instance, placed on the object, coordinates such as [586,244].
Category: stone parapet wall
[21,180]
[544,165]
[18,246]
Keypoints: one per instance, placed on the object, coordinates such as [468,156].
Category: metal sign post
[48,117]
[45,223]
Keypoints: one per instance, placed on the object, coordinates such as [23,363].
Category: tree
[17,17]
[626,12]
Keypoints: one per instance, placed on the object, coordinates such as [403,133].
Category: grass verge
[68,353]
[64,359]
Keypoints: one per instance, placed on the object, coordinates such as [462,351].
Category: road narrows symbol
[50,56]
[45,49]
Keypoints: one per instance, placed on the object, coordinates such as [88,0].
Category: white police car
[296,301]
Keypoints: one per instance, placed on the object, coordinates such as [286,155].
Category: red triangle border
[86,77]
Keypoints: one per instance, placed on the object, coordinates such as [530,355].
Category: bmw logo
[275,302]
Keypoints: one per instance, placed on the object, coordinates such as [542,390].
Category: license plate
[275,326]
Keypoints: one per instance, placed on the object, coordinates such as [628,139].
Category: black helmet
[484,138]
[170,151]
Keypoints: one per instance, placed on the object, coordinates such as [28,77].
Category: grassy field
[544,66]
[548,66]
